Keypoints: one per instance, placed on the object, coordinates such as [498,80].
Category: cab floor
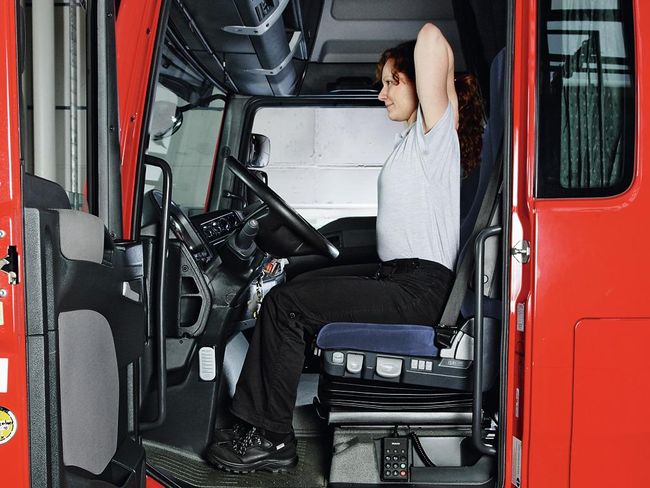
[191,471]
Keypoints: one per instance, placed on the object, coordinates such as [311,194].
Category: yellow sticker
[7,425]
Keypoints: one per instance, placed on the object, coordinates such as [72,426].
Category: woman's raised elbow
[430,35]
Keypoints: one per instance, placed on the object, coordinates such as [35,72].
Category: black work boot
[230,434]
[254,452]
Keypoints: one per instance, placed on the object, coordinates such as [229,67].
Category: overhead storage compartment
[252,46]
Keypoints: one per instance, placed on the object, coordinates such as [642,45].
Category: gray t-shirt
[418,214]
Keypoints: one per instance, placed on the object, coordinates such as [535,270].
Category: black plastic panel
[200,27]
[216,226]
[354,237]
[55,284]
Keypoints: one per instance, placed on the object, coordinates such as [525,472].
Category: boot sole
[272,466]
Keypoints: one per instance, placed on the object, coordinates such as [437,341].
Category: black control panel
[215,228]
[395,459]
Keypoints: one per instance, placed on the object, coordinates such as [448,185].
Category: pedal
[395,459]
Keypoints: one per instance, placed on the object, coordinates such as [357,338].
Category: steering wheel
[179,223]
[292,219]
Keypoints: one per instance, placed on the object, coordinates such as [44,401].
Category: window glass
[586,98]
[184,130]
[65,160]
[324,161]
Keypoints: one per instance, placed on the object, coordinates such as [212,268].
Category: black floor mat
[192,471]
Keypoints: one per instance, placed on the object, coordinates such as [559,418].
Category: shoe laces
[238,429]
[252,437]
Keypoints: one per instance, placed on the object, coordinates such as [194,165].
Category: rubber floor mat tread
[192,471]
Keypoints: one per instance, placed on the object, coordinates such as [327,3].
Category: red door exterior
[579,392]
[14,452]
[136,31]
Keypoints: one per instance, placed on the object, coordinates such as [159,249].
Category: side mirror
[165,120]
[259,153]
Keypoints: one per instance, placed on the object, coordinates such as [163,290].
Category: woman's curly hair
[471,116]
[471,121]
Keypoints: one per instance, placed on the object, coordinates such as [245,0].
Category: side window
[61,157]
[184,130]
[586,98]
[325,161]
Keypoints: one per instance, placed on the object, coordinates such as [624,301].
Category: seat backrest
[492,141]
[85,327]
[492,137]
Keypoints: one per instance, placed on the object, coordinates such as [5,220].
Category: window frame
[238,144]
[543,188]
[173,162]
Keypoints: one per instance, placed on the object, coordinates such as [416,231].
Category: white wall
[61,158]
[325,161]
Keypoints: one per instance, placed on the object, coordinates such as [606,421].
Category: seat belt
[447,327]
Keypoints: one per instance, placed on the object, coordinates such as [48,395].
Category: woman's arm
[434,75]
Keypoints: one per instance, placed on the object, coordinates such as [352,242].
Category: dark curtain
[592,118]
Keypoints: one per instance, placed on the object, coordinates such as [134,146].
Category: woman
[417,237]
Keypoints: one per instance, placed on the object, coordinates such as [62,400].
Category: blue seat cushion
[406,340]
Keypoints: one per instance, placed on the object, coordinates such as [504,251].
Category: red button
[402,473]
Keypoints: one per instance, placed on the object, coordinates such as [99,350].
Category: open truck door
[72,292]
[13,386]
[579,308]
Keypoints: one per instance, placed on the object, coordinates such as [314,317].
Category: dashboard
[215,227]
[203,234]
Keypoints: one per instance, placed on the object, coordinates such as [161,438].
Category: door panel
[587,301]
[137,36]
[13,389]
[86,322]
[516,190]
[603,384]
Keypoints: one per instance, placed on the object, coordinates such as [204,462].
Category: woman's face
[400,97]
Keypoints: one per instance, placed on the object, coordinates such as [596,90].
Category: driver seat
[384,366]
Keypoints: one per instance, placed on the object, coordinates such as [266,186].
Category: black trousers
[408,291]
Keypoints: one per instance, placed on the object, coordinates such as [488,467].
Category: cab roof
[315,47]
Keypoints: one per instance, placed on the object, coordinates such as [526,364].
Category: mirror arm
[234,196]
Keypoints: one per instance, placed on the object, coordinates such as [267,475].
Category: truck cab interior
[262,138]
[215,232]
[232,238]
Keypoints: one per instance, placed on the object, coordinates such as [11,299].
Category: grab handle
[160,292]
[477,404]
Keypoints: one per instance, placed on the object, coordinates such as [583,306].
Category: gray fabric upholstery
[82,236]
[89,390]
